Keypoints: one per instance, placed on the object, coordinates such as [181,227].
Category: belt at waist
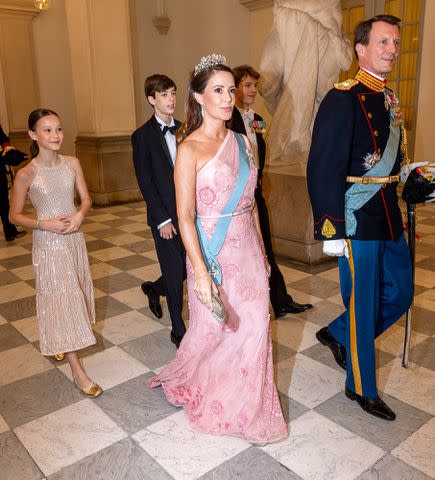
[234,214]
[365,180]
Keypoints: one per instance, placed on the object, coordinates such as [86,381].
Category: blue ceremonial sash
[211,248]
[359,193]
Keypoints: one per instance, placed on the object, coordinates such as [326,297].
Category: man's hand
[407,168]
[336,248]
[167,231]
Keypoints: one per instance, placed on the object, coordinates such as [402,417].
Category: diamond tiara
[209,61]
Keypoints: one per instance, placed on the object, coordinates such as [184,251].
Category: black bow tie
[172,129]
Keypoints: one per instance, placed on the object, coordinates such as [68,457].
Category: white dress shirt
[248,118]
[379,77]
[171,142]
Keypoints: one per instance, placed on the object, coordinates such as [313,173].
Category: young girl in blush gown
[64,293]
[223,372]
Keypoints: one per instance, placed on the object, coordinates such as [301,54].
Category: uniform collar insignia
[370,81]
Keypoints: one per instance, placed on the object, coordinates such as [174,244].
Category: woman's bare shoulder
[189,145]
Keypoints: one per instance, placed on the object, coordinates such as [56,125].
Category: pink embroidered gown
[223,375]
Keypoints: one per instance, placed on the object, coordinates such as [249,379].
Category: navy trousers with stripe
[377,289]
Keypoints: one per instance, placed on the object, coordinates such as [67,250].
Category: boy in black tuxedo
[154,151]
[246,121]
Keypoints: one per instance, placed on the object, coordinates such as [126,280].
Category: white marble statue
[301,59]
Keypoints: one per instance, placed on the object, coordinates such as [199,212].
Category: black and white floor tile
[49,431]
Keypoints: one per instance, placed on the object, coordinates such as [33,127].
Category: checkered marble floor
[48,431]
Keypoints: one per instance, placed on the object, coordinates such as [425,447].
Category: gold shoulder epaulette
[346,85]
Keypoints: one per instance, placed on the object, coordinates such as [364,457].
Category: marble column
[19,92]
[102,68]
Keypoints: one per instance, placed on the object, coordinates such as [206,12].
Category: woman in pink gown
[223,373]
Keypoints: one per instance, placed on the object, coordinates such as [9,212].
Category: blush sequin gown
[64,294]
[223,375]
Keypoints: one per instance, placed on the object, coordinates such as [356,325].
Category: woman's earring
[202,111]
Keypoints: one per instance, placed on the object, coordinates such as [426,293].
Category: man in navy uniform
[245,120]
[358,148]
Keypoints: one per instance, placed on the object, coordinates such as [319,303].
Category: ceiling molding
[256,4]
[18,7]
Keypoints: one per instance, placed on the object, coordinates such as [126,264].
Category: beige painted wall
[4,120]
[425,138]
[54,69]
[198,28]
[99,38]
[18,68]
[261,25]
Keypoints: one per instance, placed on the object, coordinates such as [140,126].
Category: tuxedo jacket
[155,172]
[236,124]
[351,122]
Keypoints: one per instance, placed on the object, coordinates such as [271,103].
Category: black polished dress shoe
[339,352]
[19,234]
[153,299]
[176,339]
[291,307]
[374,406]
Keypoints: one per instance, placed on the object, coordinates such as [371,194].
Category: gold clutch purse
[219,312]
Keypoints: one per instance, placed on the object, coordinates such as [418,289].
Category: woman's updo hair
[34,117]
[198,81]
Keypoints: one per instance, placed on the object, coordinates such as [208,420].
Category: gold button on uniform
[376,133]
[363,98]
[369,115]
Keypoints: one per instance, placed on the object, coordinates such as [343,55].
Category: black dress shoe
[18,234]
[339,352]
[374,406]
[153,299]
[176,339]
[291,307]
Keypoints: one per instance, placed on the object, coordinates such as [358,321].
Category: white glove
[431,198]
[336,248]
[407,168]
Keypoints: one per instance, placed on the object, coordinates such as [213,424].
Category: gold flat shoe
[59,357]
[93,391]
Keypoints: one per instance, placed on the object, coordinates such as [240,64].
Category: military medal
[257,126]
[392,105]
[370,160]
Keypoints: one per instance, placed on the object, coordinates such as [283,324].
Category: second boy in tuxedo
[154,151]
[246,121]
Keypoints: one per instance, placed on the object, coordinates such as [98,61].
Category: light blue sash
[211,248]
[359,193]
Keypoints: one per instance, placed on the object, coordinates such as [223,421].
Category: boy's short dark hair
[363,29]
[157,83]
[243,71]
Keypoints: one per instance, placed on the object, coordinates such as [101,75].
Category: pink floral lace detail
[221,181]
[235,241]
[207,196]
[248,291]
[216,407]
[232,270]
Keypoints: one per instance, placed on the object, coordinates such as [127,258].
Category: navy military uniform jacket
[353,121]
